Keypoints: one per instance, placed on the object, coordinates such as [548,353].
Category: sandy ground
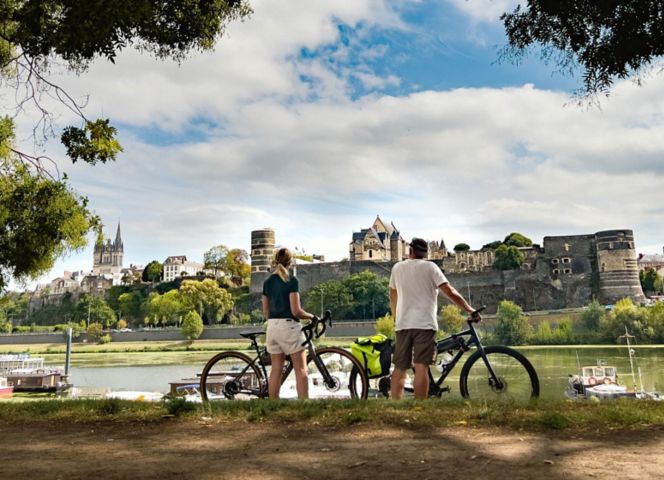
[210,450]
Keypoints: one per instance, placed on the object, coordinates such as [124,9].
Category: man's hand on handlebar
[475,315]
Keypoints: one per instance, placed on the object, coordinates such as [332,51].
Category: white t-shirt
[416,282]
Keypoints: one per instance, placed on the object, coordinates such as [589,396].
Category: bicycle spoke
[344,380]
[514,380]
[229,376]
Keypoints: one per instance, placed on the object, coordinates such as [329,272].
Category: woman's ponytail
[282,261]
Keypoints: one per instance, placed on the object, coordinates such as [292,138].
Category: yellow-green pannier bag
[374,353]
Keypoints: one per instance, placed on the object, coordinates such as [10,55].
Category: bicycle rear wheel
[348,378]
[230,376]
[517,379]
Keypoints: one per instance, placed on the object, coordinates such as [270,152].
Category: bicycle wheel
[349,380]
[231,375]
[517,379]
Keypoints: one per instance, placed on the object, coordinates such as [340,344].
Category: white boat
[600,382]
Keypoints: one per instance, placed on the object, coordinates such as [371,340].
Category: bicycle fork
[327,378]
[494,380]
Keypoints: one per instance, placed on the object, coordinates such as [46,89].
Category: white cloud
[304,157]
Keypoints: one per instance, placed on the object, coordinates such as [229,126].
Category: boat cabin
[599,374]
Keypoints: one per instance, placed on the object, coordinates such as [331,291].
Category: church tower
[107,256]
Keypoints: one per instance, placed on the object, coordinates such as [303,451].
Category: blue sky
[312,117]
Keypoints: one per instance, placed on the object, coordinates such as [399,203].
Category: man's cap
[419,245]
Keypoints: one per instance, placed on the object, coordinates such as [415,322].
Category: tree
[461,247]
[215,259]
[207,298]
[370,294]
[40,221]
[95,332]
[192,325]
[96,309]
[131,305]
[237,265]
[52,219]
[233,262]
[516,239]
[331,295]
[493,245]
[610,40]
[152,272]
[650,280]
[166,309]
[512,327]
[591,317]
[507,258]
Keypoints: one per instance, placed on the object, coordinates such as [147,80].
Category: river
[553,365]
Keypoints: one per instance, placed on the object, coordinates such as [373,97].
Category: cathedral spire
[118,238]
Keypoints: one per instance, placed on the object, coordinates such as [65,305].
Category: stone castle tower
[262,252]
[617,266]
[107,257]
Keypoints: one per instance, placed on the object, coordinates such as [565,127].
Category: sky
[312,117]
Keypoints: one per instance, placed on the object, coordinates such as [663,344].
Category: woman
[282,309]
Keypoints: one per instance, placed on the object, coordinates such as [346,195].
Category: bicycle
[490,373]
[234,375]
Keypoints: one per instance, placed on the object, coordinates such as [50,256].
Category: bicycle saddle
[251,335]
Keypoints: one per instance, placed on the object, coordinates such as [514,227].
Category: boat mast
[630,352]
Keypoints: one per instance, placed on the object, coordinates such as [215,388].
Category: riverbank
[336,440]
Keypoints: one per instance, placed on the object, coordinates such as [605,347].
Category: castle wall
[568,271]
[262,253]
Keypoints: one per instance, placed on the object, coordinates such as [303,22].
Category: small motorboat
[600,382]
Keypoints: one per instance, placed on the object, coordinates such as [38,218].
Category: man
[414,285]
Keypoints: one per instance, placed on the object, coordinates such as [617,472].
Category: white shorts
[284,336]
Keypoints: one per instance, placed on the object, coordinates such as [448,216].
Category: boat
[28,374]
[6,389]
[600,382]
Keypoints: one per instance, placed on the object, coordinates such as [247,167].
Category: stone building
[107,256]
[651,262]
[178,265]
[381,242]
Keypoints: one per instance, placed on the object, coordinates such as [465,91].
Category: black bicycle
[493,372]
[333,371]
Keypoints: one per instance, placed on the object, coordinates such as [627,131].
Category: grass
[538,416]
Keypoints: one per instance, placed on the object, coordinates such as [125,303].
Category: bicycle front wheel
[515,378]
[347,378]
[230,376]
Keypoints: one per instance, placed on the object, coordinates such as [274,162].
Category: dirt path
[205,450]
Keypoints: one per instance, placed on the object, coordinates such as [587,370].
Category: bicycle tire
[517,375]
[357,383]
[225,363]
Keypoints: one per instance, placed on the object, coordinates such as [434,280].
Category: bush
[240,319]
[512,327]
[95,332]
[637,321]
[592,316]
[104,339]
[385,325]
[122,324]
[257,316]
[192,325]
[6,327]
[451,319]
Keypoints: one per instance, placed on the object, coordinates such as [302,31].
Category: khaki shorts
[284,336]
[414,346]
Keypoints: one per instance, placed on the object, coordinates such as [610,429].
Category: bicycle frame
[288,365]
[463,345]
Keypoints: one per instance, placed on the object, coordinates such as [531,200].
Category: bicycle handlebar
[317,327]
[474,316]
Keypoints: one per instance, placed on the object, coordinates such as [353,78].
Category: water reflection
[553,365]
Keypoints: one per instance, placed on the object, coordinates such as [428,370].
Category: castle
[566,271]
